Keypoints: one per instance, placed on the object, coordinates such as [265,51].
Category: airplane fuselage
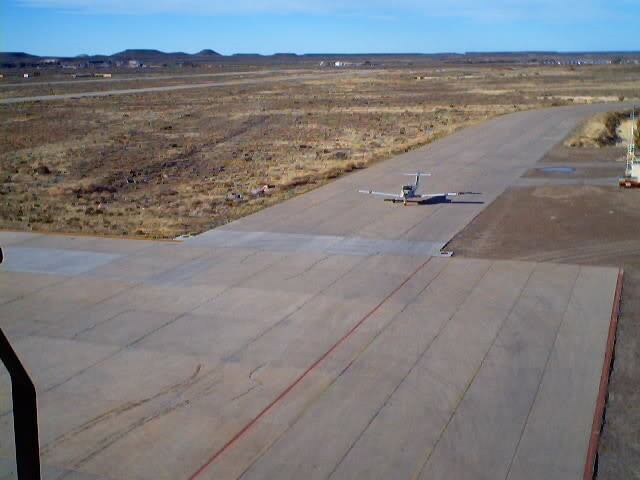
[409,192]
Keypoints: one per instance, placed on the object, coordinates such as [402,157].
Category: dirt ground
[593,171]
[166,164]
[562,154]
[591,225]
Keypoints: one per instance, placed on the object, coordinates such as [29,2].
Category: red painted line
[284,393]
[598,415]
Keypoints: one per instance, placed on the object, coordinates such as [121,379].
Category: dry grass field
[173,163]
[605,129]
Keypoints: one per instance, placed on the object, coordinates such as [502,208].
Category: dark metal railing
[25,413]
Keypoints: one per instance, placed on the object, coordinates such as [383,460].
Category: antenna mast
[631,149]
[632,143]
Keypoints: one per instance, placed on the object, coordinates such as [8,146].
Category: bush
[611,124]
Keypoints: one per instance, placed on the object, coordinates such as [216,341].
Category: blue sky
[71,27]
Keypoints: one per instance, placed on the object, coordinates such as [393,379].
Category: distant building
[134,64]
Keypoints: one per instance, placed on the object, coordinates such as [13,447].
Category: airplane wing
[448,194]
[436,195]
[381,194]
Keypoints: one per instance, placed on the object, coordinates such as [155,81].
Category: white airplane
[409,193]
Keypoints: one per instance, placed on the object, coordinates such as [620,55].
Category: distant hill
[207,52]
[139,54]
[20,56]
[145,56]
[153,57]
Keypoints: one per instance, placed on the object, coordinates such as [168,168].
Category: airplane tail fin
[417,175]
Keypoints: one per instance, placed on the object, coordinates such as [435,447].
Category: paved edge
[91,235]
[590,467]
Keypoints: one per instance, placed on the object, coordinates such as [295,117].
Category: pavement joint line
[353,359]
[269,241]
[217,295]
[120,350]
[591,462]
[95,325]
[415,363]
[62,382]
[301,377]
[69,277]
[546,364]
[309,268]
[36,331]
[126,347]
[354,208]
[196,307]
[56,283]
[305,212]
[297,309]
[65,278]
[419,471]
[87,274]
[55,260]
[408,230]
[216,370]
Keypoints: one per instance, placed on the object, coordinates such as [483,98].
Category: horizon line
[479,52]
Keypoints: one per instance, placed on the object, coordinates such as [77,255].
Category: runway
[324,337]
[144,78]
[171,88]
